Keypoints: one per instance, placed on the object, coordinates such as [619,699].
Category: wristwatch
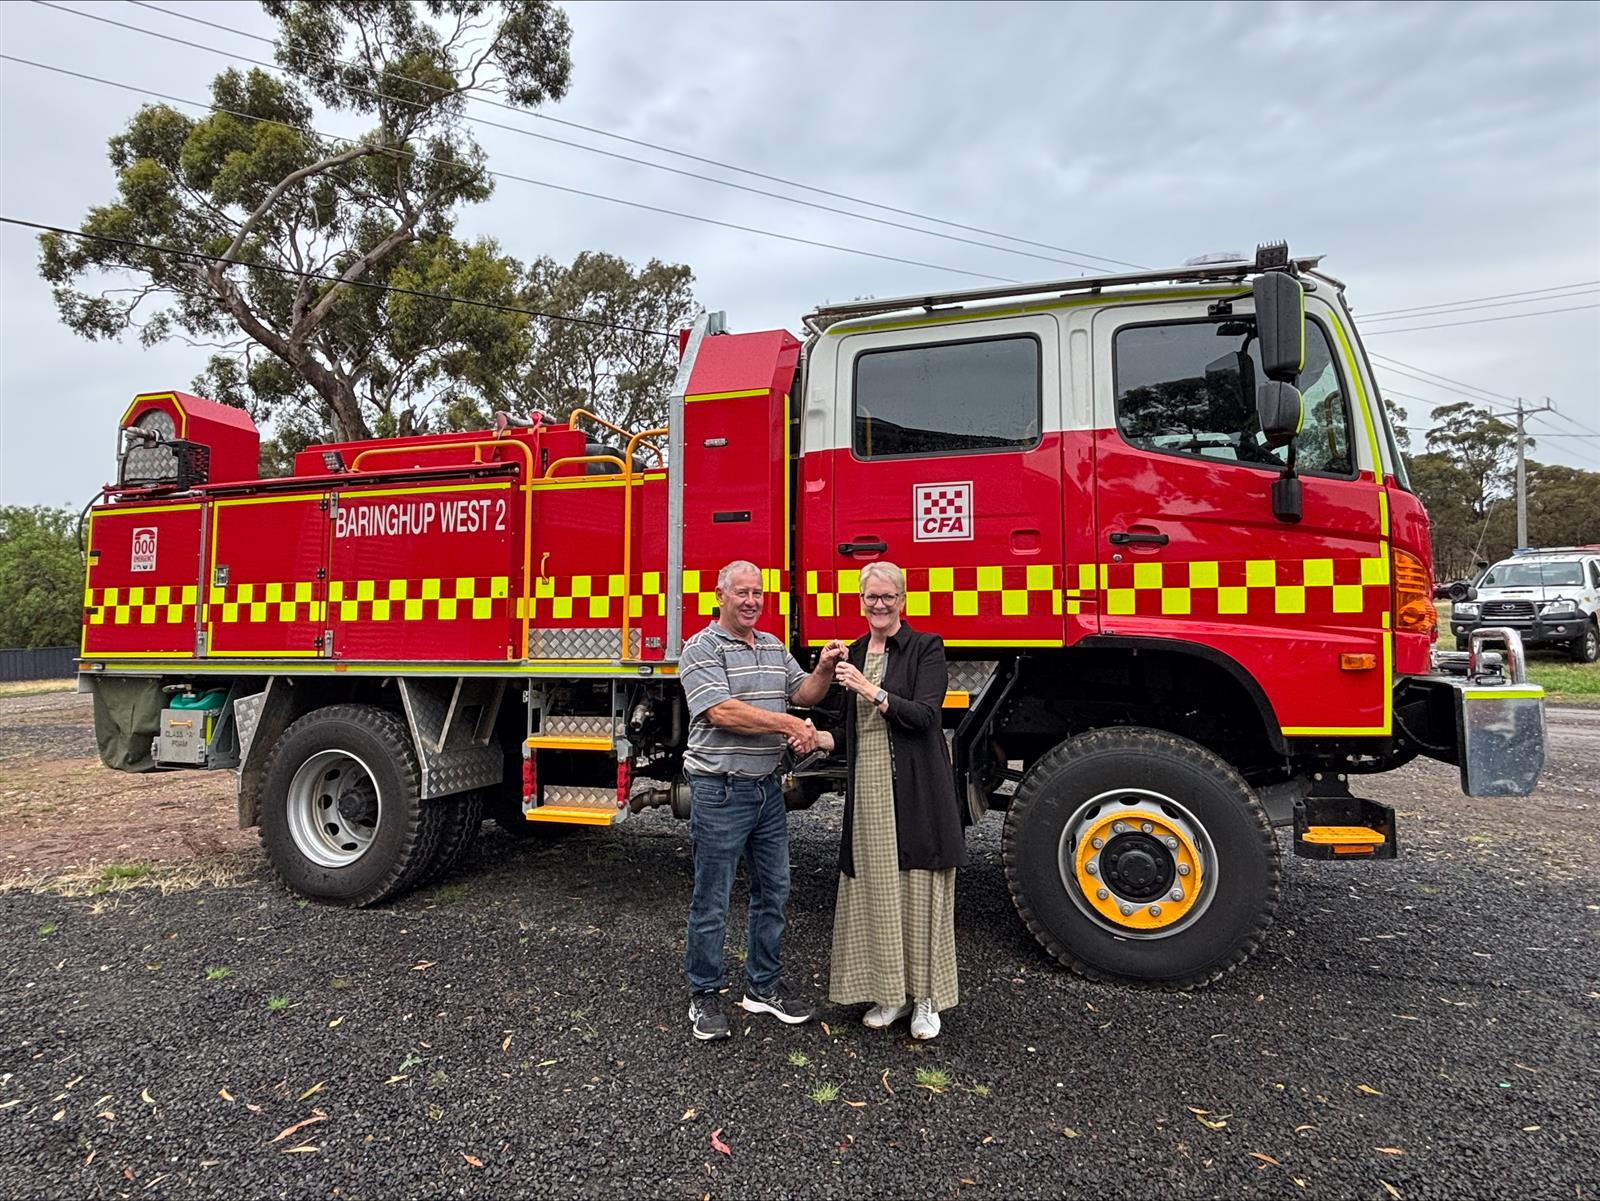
[879,697]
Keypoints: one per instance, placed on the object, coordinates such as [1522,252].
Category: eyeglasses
[879,600]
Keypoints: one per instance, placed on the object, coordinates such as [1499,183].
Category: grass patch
[49,928]
[36,687]
[798,1059]
[340,983]
[278,1004]
[113,872]
[935,1080]
[165,878]
[825,1093]
[218,973]
[450,894]
[1567,681]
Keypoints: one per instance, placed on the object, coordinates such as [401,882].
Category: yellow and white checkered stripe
[437,598]
[165,604]
[599,597]
[1011,591]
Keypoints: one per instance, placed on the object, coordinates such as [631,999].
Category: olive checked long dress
[893,931]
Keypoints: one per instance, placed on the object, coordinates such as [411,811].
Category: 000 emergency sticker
[942,512]
[144,549]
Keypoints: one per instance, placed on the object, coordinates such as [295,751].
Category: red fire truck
[1159,518]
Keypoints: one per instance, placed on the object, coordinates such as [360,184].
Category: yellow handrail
[550,471]
[627,535]
[477,446]
[619,431]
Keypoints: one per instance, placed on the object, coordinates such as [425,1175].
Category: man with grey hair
[739,682]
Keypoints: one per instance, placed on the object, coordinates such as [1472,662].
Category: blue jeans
[732,818]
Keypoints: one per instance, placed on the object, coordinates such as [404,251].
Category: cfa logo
[942,512]
[144,550]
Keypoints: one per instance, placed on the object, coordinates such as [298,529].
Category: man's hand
[803,737]
[831,654]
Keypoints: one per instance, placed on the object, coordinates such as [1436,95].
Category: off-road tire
[463,820]
[1248,878]
[1586,647]
[407,833]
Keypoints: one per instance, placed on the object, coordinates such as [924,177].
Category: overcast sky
[1434,153]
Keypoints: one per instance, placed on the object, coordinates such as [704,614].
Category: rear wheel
[341,818]
[1586,649]
[1136,855]
[462,823]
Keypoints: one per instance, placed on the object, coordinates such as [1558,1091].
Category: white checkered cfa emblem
[942,512]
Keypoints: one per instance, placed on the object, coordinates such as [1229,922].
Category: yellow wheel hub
[1121,858]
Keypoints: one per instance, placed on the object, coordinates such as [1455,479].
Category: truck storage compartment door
[141,599]
[426,573]
[265,587]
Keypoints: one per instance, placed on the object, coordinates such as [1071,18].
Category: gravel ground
[1422,1029]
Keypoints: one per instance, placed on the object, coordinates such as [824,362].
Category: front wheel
[1586,648]
[1136,855]
[341,816]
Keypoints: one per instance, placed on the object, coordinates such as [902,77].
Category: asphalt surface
[1421,1029]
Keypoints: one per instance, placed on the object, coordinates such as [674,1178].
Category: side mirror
[1280,325]
[1280,409]
[1463,591]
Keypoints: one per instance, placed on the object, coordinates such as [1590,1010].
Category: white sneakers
[924,1018]
[881,1017]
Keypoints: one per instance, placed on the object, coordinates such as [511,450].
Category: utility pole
[1522,468]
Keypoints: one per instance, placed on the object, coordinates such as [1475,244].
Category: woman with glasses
[894,925]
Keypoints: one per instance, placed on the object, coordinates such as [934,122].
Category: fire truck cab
[1159,519]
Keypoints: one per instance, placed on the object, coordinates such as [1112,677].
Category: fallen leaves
[1531,1129]
[1265,1159]
[316,1116]
[1390,1189]
[1220,1122]
[505,1046]
[718,1145]
[423,966]
[225,1094]
[144,1095]
[688,1114]
[1389,1150]
[312,1091]
[1368,1089]
[1069,1132]
[472,1159]
[303,1149]
[884,1080]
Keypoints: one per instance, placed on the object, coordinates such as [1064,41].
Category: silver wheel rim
[335,809]
[1106,804]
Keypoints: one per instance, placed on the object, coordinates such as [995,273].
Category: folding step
[1344,827]
[577,805]
[572,742]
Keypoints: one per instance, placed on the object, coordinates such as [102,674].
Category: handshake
[804,738]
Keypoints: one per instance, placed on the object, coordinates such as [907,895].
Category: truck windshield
[1532,575]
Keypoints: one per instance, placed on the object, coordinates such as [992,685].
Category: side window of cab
[1187,388]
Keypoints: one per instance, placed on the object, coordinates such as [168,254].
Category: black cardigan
[928,816]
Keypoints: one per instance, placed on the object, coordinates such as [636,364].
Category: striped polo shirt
[716,666]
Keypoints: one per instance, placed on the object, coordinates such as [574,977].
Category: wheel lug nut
[1092,867]
[1172,843]
[1177,894]
[1146,827]
[1097,843]
[1183,869]
[1127,910]
[1120,828]
[1155,911]
[1101,894]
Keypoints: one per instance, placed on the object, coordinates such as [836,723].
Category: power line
[528,133]
[179,252]
[479,97]
[539,183]
[1442,387]
[1588,283]
[1483,320]
[1512,400]
[1469,308]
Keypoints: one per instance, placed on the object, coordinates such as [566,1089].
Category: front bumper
[1534,631]
[1479,712]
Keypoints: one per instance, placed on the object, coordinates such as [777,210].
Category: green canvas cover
[127,715]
